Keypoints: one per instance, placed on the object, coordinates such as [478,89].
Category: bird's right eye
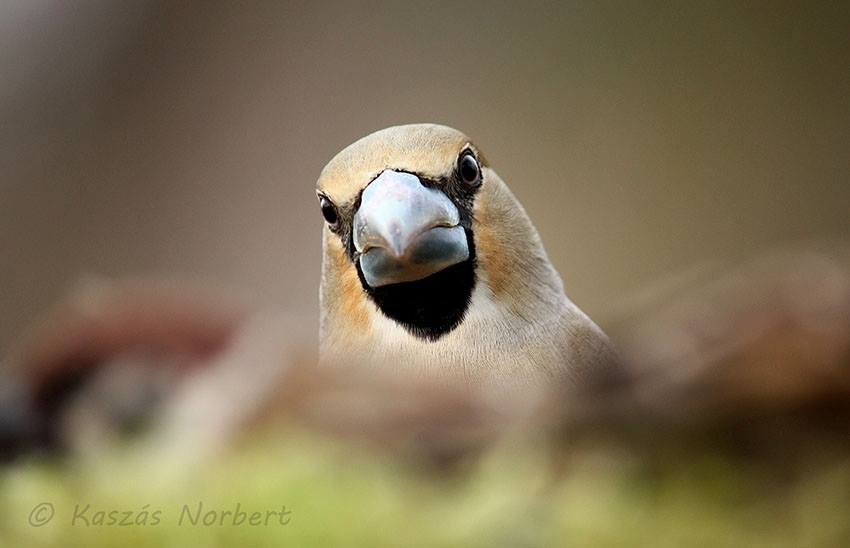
[329,211]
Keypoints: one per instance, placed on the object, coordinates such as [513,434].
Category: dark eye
[467,167]
[328,211]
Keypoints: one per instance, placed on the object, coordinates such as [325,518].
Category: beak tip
[398,247]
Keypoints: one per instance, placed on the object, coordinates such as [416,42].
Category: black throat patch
[431,307]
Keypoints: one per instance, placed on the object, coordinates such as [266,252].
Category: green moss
[343,494]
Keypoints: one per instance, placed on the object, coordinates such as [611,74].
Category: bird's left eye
[329,211]
[468,168]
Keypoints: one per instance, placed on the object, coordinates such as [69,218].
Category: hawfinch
[432,266]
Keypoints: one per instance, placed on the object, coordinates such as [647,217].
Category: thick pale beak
[405,231]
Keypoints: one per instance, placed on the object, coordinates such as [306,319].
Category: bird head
[415,220]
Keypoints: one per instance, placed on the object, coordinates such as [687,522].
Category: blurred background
[686,164]
[648,141]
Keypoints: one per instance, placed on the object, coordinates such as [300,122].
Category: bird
[431,266]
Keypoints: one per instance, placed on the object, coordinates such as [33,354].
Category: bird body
[423,300]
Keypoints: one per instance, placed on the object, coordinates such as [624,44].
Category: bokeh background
[649,141]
